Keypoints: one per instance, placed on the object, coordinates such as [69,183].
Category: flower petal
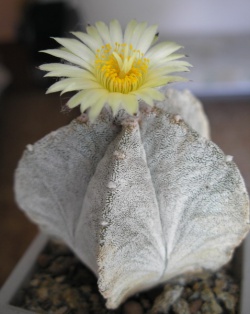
[68,56]
[71,84]
[77,48]
[163,81]
[115,32]
[129,31]
[115,100]
[107,67]
[147,38]
[161,50]
[92,31]
[103,31]
[137,33]
[62,70]
[84,84]
[150,93]
[76,99]
[91,97]
[174,56]
[130,103]
[158,71]
[96,108]
[143,95]
[88,40]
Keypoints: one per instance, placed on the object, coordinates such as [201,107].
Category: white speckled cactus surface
[140,200]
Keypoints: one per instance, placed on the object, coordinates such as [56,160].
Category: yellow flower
[107,66]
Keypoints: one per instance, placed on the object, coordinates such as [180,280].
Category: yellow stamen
[120,68]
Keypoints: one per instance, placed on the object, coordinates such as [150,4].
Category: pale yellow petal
[77,48]
[82,84]
[163,81]
[130,104]
[180,63]
[62,70]
[174,65]
[91,97]
[129,31]
[161,50]
[71,84]
[156,38]
[150,92]
[76,99]
[164,70]
[148,95]
[103,31]
[146,39]
[115,32]
[96,108]
[146,98]
[92,31]
[174,56]
[88,40]
[114,101]
[59,53]
[115,74]
[137,33]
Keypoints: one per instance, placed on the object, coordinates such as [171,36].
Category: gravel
[61,284]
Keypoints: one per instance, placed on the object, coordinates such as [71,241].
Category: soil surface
[61,284]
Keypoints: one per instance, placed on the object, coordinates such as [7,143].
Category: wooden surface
[27,114]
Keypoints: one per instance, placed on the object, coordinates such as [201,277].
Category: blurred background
[216,36]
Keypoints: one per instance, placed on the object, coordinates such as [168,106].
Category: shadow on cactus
[134,185]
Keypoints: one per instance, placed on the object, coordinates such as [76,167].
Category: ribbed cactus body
[140,200]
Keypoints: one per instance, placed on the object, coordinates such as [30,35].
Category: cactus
[140,194]
[140,200]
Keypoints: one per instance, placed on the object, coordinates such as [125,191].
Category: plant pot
[20,276]
[26,267]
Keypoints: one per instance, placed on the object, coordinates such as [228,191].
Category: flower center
[121,69]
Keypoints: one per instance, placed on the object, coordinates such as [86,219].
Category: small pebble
[166,299]
[86,289]
[94,298]
[35,282]
[211,308]
[56,300]
[228,300]
[187,293]
[233,289]
[60,265]
[195,306]
[63,285]
[181,307]
[43,260]
[145,303]
[61,310]
[71,297]
[207,295]
[60,279]
[194,296]
[132,307]
[42,293]
[82,311]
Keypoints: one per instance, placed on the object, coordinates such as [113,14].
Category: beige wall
[174,16]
